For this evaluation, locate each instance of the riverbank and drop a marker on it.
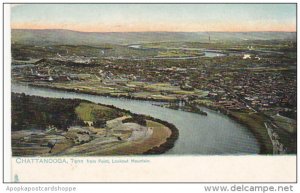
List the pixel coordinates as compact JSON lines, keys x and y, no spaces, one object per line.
{"x":257,"y":130}
{"x":103,"y":94}
{"x":253,"y":121}
{"x":215,"y":134}
{"x":92,"y":129}
{"x":162,"y":146}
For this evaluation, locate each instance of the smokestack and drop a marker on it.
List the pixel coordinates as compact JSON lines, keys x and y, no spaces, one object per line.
{"x":208,"y":37}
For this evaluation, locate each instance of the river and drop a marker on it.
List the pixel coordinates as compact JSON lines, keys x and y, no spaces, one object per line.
{"x":214,"y":134}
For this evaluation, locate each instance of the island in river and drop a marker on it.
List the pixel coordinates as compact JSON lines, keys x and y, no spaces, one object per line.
{"x":51,"y":127}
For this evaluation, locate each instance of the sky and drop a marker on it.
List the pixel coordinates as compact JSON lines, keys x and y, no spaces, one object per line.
{"x":155,"y":17}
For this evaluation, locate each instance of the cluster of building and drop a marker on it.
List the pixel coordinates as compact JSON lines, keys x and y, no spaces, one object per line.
{"x":74,"y":58}
{"x":265,"y":90}
{"x":230,"y":88}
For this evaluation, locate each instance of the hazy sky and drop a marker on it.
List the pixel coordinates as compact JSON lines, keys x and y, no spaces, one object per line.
{"x":155,"y":17}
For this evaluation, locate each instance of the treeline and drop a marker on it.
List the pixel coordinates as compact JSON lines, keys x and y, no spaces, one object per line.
{"x":68,"y":63}
{"x":139,"y":119}
{"x":32,"y":112}
{"x":170,"y":141}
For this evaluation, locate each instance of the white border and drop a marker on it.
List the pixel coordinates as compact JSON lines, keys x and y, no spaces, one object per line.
{"x":7,"y":95}
{"x":7,"y":65}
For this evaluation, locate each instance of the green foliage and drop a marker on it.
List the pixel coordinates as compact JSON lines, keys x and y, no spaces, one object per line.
{"x":31,"y":112}
{"x":93,"y":112}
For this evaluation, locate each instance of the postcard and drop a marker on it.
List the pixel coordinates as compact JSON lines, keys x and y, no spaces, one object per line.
{"x":150,"y":92}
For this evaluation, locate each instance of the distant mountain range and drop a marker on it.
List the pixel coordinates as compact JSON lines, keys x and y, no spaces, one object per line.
{"x":59,"y":36}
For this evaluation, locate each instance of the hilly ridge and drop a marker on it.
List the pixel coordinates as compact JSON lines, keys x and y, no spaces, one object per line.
{"x":59,"y":36}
